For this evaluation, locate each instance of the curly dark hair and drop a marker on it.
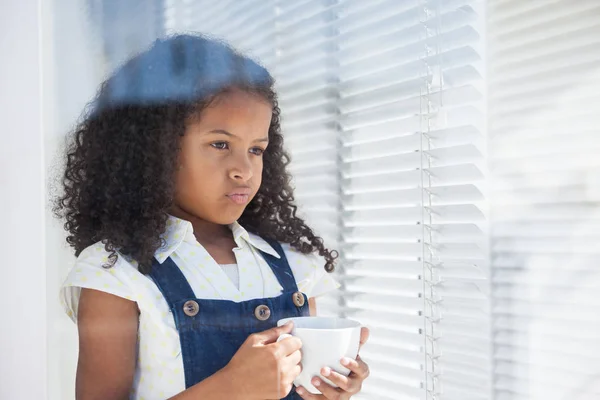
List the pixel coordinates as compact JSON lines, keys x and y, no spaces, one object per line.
{"x":122,"y":156}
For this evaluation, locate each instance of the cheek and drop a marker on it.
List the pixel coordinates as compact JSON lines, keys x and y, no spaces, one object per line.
{"x":257,"y":173}
{"x":192,"y":178}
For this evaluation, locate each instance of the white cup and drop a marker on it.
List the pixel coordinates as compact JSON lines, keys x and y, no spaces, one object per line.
{"x":325,"y":341}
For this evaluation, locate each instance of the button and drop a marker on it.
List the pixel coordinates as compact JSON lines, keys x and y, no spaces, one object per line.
{"x":191,"y":308}
{"x":262,"y":313}
{"x":298,"y":299}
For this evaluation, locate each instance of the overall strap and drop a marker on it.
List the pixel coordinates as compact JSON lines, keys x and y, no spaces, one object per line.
{"x":171,"y":281}
{"x":281,"y":267}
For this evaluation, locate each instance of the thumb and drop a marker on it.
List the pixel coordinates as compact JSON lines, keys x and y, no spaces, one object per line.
{"x":271,"y":335}
{"x":364,"y":336}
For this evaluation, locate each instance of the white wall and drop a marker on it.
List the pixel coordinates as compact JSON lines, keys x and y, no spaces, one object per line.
{"x":49,"y":71}
{"x":23,"y":357}
{"x":73,"y":69}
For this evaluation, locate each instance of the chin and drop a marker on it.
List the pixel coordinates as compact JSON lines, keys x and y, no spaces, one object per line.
{"x":226,"y":217}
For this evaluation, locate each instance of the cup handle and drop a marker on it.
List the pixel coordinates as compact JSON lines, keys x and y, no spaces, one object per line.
{"x":284,"y":336}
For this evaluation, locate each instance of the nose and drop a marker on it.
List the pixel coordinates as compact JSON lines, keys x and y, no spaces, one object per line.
{"x":241,"y":170}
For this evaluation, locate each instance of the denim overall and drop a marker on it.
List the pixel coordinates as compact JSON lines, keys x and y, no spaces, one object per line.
{"x":211,"y":331}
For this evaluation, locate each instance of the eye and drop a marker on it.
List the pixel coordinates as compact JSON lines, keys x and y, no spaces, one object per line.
{"x":220,"y":145}
{"x":257,"y":151}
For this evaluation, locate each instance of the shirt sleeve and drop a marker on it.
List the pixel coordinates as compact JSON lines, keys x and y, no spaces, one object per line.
{"x":88,"y":272}
{"x":310,"y":274}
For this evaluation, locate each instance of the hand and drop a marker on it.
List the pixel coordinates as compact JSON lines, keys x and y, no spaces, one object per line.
{"x":347,"y":386}
{"x":263,"y":368}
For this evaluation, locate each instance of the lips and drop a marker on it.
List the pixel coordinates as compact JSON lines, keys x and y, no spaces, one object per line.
{"x":240,"y":195}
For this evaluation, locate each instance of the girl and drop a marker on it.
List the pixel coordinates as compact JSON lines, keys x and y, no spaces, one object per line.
{"x":179,"y":208}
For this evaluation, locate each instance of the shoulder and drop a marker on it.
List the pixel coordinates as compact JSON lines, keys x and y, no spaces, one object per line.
{"x":91,"y":270}
{"x":297,"y":258}
{"x":309,"y":271}
{"x":97,"y":258}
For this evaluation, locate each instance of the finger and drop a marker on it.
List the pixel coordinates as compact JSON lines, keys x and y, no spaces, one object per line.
{"x":328,"y":391}
{"x":364,"y":336}
{"x":296,"y":371}
{"x":294,"y":358}
{"x":288,"y":345}
{"x":343,"y":382}
{"x":271,"y":335}
{"x":305,"y":394}
{"x":358,"y":367}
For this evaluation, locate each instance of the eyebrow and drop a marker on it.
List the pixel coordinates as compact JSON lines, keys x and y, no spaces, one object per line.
{"x":224,"y":132}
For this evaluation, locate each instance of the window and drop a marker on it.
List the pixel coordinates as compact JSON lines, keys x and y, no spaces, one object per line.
{"x":544,"y":75}
{"x":383,"y":108}
{"x":448,"y":149}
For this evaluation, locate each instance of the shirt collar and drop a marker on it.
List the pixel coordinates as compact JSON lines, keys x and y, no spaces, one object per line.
{"x":179,"y":230}
{"x":241,"y":235}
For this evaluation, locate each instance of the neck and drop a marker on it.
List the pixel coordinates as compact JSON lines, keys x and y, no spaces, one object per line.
{"x":206,"y":232}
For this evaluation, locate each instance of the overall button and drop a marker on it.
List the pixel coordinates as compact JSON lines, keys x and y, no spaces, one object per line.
{"x":262,"y":313}
{"x":191,"y":308}
{"x":298,"y":299}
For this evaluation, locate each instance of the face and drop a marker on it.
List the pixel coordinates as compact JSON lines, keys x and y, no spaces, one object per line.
{"x":221,"y":157}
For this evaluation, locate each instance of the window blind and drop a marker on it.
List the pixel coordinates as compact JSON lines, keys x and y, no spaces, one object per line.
{"x":544,"y":70}
{"x":306,"y":72}
{"x":112,"y":29}
{"x":383,"y":108}
{"x":411,"y":112}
